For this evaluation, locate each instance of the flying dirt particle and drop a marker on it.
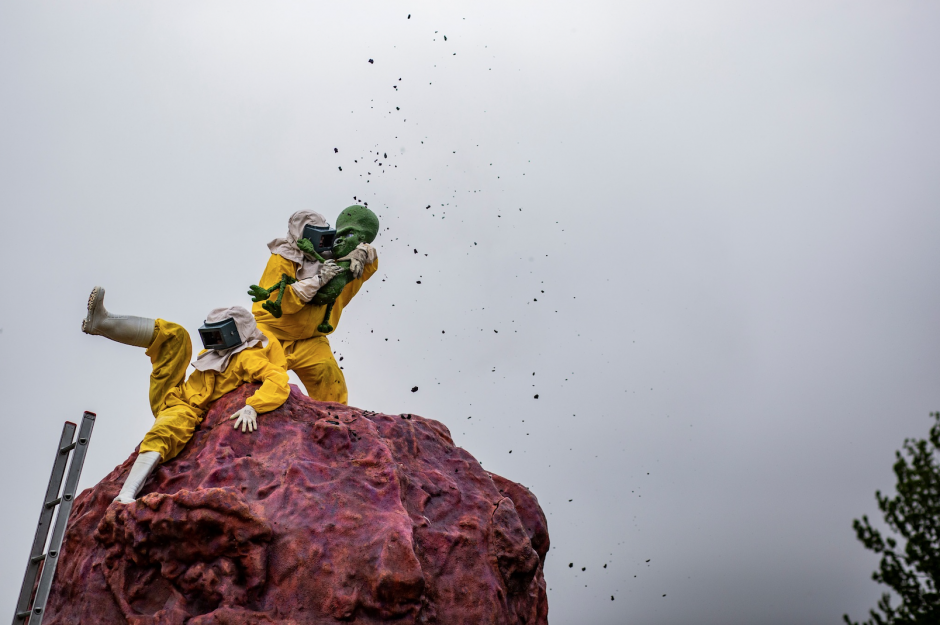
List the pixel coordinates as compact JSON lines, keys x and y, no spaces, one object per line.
{"x":416,"y":251}
{"x":414,"y":389}
{"x":335,"y":150}
{"x":371,"y":61}
{"x":418,"y":281}
{"x":570,"y":565}
{"x":341,"y":168}
{"x":611,"y":597}
{"x":536,"y":395}
{"x":409,"y":16}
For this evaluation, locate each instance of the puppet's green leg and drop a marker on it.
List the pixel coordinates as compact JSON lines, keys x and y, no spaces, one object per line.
{"x":275,"y":307}
{"x":325,"y":327}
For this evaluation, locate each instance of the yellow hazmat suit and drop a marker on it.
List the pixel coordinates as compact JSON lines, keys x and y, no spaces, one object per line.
{"x":180,"y":406}
{"x":307,"y":349}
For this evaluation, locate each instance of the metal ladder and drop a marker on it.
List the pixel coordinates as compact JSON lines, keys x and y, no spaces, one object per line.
{"x":47,"y":561}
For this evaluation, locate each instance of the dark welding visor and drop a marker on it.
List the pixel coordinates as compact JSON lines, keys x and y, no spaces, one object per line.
{"x":220,"y":335}
{"x":321,"y":237}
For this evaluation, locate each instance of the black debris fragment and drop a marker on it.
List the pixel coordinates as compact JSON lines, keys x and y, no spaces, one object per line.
{"x":341,"y":168}
{"x":409,"y":16}
{"x":416,"y":251}
{"x":570,"y":564}
{"x":335,"y":150}
{"x":414,"y":389}
{"x":371,"y":61}
{"x":418,"y":281}
{"x":536,"y":396}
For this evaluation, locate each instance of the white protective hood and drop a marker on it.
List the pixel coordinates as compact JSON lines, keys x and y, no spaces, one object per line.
{"x":287,"y":246}
{"x":217,"y":360}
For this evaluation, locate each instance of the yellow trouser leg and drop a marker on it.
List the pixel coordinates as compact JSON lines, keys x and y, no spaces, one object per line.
{"x":312,"y":360}
{"x":171,"y":431}
{"x":170,"y":354}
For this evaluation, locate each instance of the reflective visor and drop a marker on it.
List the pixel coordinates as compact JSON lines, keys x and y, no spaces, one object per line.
{"x":220,"y":335}
{"x":321,"y":237}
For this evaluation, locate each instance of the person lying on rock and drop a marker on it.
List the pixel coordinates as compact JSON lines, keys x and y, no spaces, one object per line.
{"x":313,"y":302}
{"x":237,"y":351}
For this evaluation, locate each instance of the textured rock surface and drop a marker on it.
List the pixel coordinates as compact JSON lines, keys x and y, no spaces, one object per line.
{"x":327,"y":514}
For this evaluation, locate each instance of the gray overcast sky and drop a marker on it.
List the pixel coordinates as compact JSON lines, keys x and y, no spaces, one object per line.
{"x":726,"y":211}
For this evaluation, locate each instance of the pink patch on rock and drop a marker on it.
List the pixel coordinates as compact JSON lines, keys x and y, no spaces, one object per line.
{"x":327,"y":513}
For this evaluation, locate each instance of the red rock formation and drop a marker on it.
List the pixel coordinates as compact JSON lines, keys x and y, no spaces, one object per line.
{"x":327,"y":514}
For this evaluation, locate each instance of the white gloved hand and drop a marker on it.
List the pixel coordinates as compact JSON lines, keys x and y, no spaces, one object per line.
{"x":328,"y":271}
{"x":247,"y":417}
{"x":363,"y":255}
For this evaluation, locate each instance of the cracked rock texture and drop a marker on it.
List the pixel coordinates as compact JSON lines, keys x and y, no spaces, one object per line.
{"x":327,"y":514}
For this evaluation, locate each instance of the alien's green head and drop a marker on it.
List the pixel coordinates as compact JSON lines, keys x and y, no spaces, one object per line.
{"x":355,"y":225}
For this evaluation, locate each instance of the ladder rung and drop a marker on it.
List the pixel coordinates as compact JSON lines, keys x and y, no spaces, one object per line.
{"x":38,"y":558}
{"x":20,"y":615}
{"x":53,"y":503}
{"x":67,"y":448}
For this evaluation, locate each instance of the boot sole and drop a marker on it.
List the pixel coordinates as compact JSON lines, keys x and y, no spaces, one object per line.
{"x":92,"y":300}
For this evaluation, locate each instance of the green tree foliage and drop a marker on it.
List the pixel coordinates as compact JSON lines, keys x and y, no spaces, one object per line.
{"x":914,"y":513}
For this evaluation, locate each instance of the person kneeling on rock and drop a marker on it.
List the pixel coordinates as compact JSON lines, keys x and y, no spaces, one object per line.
{"x":237,"y":352}
{"x":303,"y":323}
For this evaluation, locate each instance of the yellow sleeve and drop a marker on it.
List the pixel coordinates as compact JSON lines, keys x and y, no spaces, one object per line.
{"x":278,"y":265}
{"x":274,"y":387}
{"x":353,"y":287}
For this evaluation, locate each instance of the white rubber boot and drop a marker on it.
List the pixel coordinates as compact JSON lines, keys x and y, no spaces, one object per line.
{"x":136,"y":331}
{"x":140,"y":471}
